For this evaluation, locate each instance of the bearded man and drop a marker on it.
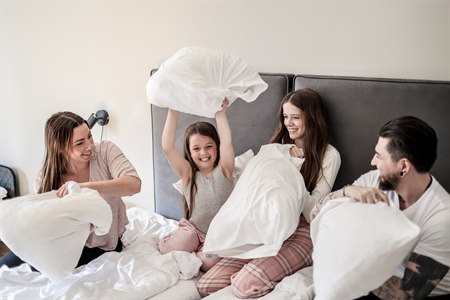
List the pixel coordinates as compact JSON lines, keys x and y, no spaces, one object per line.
{"x":405,"y":152}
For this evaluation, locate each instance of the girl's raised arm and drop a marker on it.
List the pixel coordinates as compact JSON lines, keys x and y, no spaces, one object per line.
{"x":175,"y":158}
{"x":226,"y":162}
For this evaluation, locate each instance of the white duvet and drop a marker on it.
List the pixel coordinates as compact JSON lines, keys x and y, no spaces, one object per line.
{"x":138,"y":272}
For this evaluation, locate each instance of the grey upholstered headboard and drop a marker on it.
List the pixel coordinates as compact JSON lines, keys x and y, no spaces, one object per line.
{"x":358,"y":107}
{"x":252,"y":125}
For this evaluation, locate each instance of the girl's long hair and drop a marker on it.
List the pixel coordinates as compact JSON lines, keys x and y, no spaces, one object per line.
{"x":317,"y":132}
{"x":58,"y":137}
{"x":205,"y":129}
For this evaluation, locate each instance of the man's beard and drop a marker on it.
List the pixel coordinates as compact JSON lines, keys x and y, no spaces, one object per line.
{"x":389,"y":182}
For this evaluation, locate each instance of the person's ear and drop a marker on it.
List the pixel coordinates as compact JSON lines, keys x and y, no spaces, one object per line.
{"x":406,"y":165}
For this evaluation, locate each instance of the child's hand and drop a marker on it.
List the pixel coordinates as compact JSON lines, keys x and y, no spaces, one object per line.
{"x":225,"y":104}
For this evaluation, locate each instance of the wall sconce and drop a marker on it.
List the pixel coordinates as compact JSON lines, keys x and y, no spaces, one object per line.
{"x":101,"y":117}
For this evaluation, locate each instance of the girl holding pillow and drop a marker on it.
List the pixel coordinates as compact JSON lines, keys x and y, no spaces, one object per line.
{"x":302,"y":123}
{"x":206,"y":172}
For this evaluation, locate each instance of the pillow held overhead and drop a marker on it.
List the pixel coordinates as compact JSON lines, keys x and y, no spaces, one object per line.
{"x":195,"y":80}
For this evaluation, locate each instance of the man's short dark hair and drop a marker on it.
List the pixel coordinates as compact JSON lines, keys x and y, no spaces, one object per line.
{"x":411,"y":138}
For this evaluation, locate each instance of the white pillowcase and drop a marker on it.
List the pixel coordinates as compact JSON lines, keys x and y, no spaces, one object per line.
{"x":264,"y":208}
{"x":357,"y":247}
{"x":49,"y":232}
{"x":3,"y":192}
{"x":240,"y":162}
{"x":196,"y":80}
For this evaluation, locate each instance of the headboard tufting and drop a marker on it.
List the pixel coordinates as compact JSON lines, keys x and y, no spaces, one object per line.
{"x":252,"y":125}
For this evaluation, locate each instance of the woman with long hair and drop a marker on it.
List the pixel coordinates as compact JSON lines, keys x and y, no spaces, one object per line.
{"x":302,"y":122}
{"x":71,"y":155}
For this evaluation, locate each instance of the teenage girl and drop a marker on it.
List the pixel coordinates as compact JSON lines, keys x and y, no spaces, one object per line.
{"x":302,"y":122}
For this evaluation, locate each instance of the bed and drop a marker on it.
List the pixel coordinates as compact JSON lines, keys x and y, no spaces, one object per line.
{"x":358,"y":107}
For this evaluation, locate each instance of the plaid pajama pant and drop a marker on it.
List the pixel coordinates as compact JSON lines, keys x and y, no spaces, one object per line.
{"x":252,"y":278}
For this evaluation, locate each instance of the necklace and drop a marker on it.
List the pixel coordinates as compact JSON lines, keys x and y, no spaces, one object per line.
{"x":206,"y":178}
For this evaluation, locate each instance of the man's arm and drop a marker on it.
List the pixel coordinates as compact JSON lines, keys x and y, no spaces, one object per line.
{"x":422,"y":275}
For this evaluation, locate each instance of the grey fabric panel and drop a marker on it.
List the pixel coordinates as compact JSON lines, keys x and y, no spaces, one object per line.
{"x":358,"y":107}
{"x":8,"y":181}
{"x":252,"y":125}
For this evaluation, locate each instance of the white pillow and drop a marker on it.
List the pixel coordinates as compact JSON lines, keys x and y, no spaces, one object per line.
{"x":357,"y":247}
{"x":49,"y":232}
{"x":240,"y":162}
{"x":3,"y":192}
{"x":264,"y":208}
{"x":196,"y":80}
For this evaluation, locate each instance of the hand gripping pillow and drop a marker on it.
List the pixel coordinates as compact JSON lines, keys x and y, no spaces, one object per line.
{"x":196,"y":80}
{"x":49,"y":232}
{"x":264,"y":208}
{"x":358,"y":246}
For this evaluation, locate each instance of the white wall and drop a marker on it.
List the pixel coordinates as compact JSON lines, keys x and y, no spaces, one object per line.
{"x":84,"y":56}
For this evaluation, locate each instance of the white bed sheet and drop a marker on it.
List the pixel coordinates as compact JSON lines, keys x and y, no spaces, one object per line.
{"x":182,"y":290}
{"x":138,"y":272}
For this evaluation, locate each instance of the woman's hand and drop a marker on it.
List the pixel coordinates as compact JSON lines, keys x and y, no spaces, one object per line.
{"x":295,"y":151}
{"x":62,"y":191}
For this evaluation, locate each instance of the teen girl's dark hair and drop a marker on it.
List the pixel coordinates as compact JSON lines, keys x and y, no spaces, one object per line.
{"x":317,"y":132}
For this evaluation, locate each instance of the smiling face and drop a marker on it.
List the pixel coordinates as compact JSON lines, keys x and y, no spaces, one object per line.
{"x":294,"y":122}
{"x":203,"y":151}
{"x":81,"y":146}
{"x":389,"y":169}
